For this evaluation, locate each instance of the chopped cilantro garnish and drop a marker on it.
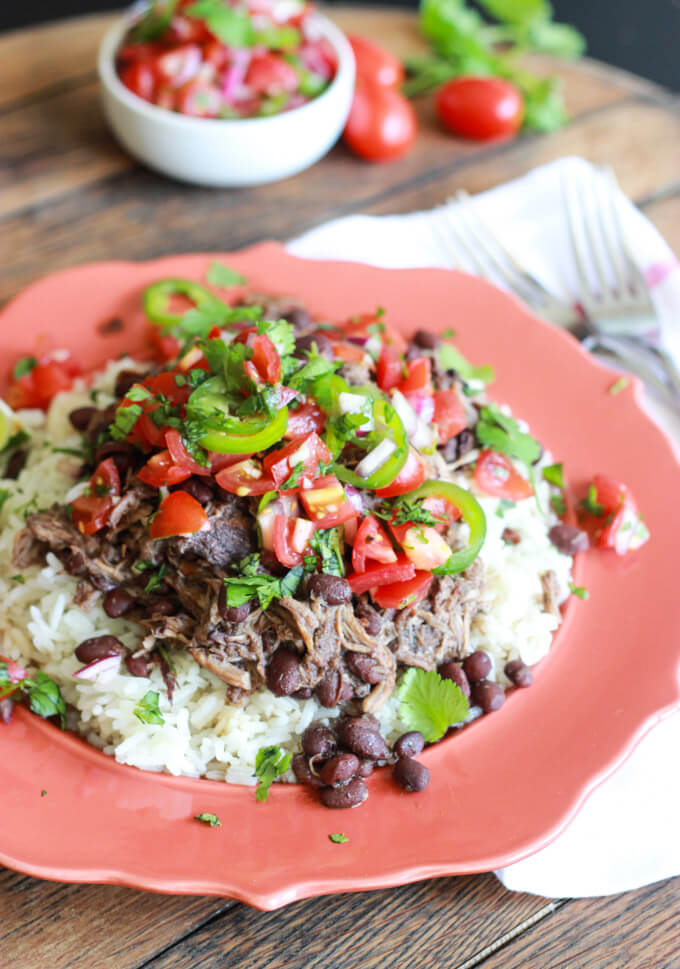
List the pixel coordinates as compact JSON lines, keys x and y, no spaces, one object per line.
{"x":554,"y":473}
{"x":156,"y":578}
{"x":578,"y":590}
{"x":559,"y":505}
{"x":327,"y":543}
{"x":449,"y":333}
{"x":591,"y":504}
{"x":19,"y":579}
{"x":403,"y":510}
{"x":5,"y":493}
{"x":138,"y":393}
{"x":270,"y":763}
{"x":503,"y":506}
{"x":147,"y":710}
{"x":220,"y":275}
{"x":73,"y":452}
{"x":233,"y":27}
{"x":294,"y":479}
{"x":253,"y":584}
{"x":210,"y":819}
{"x":126,"y":418}
{"x":315,"y":368}
{"x":501,"y":433}
{"x":16,"y":440}
{"x":430,"y":704}
{"x":281,"y":333}
{"x":43,"y":793}
{"x":24,"y":366}
{"x":44,"y":696}
{"x":339,"y":838}
{"x":451,"y":359}
{"x":618,"y":386}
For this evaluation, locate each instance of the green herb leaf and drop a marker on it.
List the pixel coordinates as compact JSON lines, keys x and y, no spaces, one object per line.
{"x":147,"y":710}
{"x":270,"y":763}
{"x":517,"y":11}
{"x":315,"y":368}
{"x":15,"y":441}
{"x":210,"y":819}
{"x":45,"y":697}
{"x":559,"y":505}
{"x":220,"y":275}
{"x":126,"y":418}
{"x":253,"y":584}
{"x":500,"y":433}
{"x":24,"y":366}
{"x":430,"y":704}
{"x":618,"y":386}
{"x":503,"y":506}
{"x":294,"y":479}
{"x":579,"y":590}
{"x":43,"y":793}
{"x":137,"y":393}
{"x":591,"y":505}
{"x":327,"y":543}
{"x":554,"y":473}
{"x":278,"y":38}
{"x":232,"y":27}
{"x":451,"y":359}
{"x":5,"y":493}
{"x":156,"y":579}
{"x":19,"y":579}
{"x":339,"y":838}
{"x":281,"y":333}
{"x":154,"y":22}
{"x":402,"y":510}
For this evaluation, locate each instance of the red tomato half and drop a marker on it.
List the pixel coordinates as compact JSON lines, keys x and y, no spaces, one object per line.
{"x":266,"y":359}
{"x":480,"y":107}
{"x":179,"y":514}
{"x":382,"y":124}
{"x":245,"y":478}
{"x":105,"y":480}
{"x":291,"y":539}
{"x":399,"y":595}
{"x":411,"y":476}
{"x":374,"y":63}
{"x":371,"y":542}
{"x":381,"y":574}
{"x":495,"y":475}
{"x":418,"y":379}
{"x":449,"y":415}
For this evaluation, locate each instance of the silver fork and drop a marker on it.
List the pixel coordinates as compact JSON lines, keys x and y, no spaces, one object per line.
{"x":471,"y":238}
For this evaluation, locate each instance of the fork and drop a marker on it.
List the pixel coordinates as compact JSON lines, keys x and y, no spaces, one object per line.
{"x":625,"y":336}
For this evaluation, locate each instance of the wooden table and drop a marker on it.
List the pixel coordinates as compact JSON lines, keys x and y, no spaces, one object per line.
{"x":68,"y":195}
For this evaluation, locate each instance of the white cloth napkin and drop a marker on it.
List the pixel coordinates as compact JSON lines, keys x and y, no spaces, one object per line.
{"x":626,"y":834}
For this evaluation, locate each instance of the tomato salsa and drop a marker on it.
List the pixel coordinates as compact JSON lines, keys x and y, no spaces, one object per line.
{"x":214,"y":59}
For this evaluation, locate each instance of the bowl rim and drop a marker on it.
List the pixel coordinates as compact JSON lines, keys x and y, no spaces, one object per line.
{"x":108,"y":76}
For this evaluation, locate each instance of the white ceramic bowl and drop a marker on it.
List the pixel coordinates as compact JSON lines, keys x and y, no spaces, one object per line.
{"x":226,"y":153}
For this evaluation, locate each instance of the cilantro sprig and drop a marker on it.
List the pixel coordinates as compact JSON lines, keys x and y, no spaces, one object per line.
{"x":327,"y":543}
{"x":449,"y":358}
{"x":270,"y":763}
{"x":501,"y":433}
{"x":251,"y":583}
{"x":430,"y":704}
{"x":44,"y":696}
{"x":207,"y":818}
{"x":147,"y":710}
{"x":224,"y":276}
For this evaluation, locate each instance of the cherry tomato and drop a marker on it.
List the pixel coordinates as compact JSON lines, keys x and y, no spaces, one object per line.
{"x":326,"y":503}
{"x":269,"y":74}
{"x":399,"y":595}
{"x":301,"y":456}
{"x":90,"y":513}
{"x":308,"y":417}
{"x":140,"y":78}
{"x":161,"y":470}
{"x":480,"y":107}
{"x":179,"y":514}
{"x":291,"y":539}
{"x":376,"y":64}
{"x":495,"y":475}
{"x":411,"y":476}
{"x":245,"y":478}
{"x":382,"y":574}
{"x":371,"y":542}
{"x":422,"y":544}
{"x":449,"y":415}
{"x":382,"y":124}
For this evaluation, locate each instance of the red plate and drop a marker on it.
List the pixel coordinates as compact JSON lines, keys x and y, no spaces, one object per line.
{"x":499,"y":791}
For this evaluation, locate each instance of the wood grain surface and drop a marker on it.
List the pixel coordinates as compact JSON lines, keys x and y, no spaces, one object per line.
{"x":68,"y":194}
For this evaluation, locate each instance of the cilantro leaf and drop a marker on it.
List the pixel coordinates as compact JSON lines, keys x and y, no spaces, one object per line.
{"x":15,"y":441}
{"x":154,"y":22}
{"x":430,"y":704}
{"x":451,"y":359}
{"x":147,"y":710}
{"x":232,"y":27}
{"x":403,"y":510}
{"x":24,"y":366}
{"x":156,"y":578}
{"x":591,"y":504}
{"x":578,"y":590}
{"x":44,"y":697}
{"x":270,"y":763}
{"x":294,"y":479}
{"x":501,"y":433}
{"x":327,"y":542}
{"x":315,"y":368}
{"x":210,"y":819}
{"x":618,"y":386}
{"x":559,"y":505}
{"x":5,"y":493}
{"x":137,"y":393}
{"x":281,"y":333}
{"x":339,"y":838}
{"x":253,"y":584}
{"x":125,"y":420}
{"x":554,"y":473}
{"x":220,"y":275}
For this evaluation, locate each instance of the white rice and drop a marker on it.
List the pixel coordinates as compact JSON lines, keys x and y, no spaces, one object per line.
{"x":203,"y":735}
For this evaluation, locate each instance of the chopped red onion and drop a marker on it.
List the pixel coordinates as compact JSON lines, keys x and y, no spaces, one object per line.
{"x":99,"y":667}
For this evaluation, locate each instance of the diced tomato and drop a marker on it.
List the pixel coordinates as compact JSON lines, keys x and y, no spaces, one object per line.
{"x":291,"y":539}
{"x":90,"y":513}
{"x":422,"y":544}
{"x":15,"y":671}
{"x":165,"y":346}
{"x":308,"y":451}
{"x":371,"y":542}
{"x":161,"y":470}
{"x":381,"y":574}
{"x":308,"y":417}
{"x":366,"y":324}
{"x":410,"y":477}
{"x":199,"y":99}
{"x":449,"y":415}
{"x":399,"y":595}
{"x":245,"y":478}
{"x":181,"y":456}
{"x":178,"y":65}
{"x":266,"y":359}
{"x":418,"y":377}
{"x":215,"y":53}
{"x":165,"y":96}
{"x":179,"y":514}
{"x":348,"y":352}
{"x":350,"y":528}
{"x":140,"y":78}
{"x":105,"y":480}
{"x":390,"y":368}
{"x":138,"y":52}
{"x":146,"y":431}
{"x":51,"y":375}
{"x":185,"y":29}
{"x":326,"y":503}
{"x":495,"y":475}
{"x":269,"y":74}
{"x":619,"y":526}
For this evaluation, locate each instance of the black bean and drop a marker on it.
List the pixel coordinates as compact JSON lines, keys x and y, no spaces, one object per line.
{"x":298,"y":318}
{"x":199,"y":488}
{"x":365,"y":768}
{"x":162,"y":607}
{"x":138,"y":665}
{"x":487,"y":695}
{"x":351,"y":795}
{"x":411,"y":775}
{"x":283,"y":672}
{"x":331,"y":588}
{"x":409,"y":744}
{"x":339,"y":769}
{"x":519,"y":673}
{"x":511,"y":537}
{"x":363,"y":738}
{"x":323,"y":344}
{"x":16,"y":464}
{"x":477,"y":665}
{"x":454,"y":671}
{"x":81,"y":417}
{"x":369,"y":618}
{"x":98,"y":647}
{"x":303,"y":773}
{"x":459,"y":445}
{"x":364,"y":667}
{"x":318,"y":740}
{"x":430,"y":341}
{"x":125,"y":380}
{"x":118,"y":602}
{"x":568,"y":539}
